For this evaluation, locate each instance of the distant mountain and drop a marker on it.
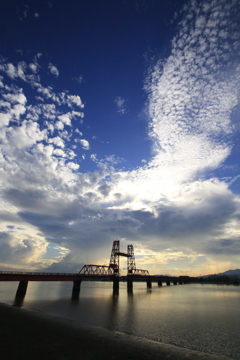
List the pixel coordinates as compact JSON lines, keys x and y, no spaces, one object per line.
{"x":164,"y":275}
{"x":235,"y":272}
{"x":231,"y":272}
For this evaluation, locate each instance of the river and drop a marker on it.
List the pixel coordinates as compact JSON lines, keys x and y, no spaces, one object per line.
{"x":193,"y":316}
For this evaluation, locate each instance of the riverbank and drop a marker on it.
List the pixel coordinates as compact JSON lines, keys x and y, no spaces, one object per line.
{"x":27,"y":334}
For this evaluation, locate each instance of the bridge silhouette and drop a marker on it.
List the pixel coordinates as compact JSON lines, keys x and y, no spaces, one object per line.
{"x":95,"y":272}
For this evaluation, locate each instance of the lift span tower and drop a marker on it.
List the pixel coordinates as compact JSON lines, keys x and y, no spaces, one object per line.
{"x":113,"y":268}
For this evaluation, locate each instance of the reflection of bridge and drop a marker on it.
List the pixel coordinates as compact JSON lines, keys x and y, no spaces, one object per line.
{"x":94,"y":272}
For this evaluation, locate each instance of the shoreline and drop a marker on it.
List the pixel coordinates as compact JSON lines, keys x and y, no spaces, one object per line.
{"x":27,"y":334}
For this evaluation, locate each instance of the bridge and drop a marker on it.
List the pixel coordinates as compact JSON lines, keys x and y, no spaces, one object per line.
{"x":95,"y":272}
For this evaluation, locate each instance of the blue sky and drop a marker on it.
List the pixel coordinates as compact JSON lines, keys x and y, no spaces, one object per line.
{"x":120,"y":119}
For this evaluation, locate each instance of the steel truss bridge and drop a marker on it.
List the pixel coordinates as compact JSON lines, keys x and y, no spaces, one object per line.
{"x":113,"y":268}
{"x":95,"y":272}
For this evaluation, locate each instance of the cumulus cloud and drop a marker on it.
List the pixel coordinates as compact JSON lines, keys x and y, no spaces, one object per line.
{"x":57,"y":141}
{"x":173,"y":205}
{"x":67,"y":118}
{"x":84,"y":143}
{"x":73,"y":166}
{"x":59,"y":152}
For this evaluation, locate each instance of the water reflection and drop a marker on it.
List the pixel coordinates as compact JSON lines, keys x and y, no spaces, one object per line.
{"x":75,"y":295}
{"x":19,"y":299}
{"x":115,"y":291}
{"x":130,"y":290}
{"x":205,"y":318}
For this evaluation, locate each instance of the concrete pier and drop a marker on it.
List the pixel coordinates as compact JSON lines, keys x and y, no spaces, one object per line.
{"x":76,"y":278}
{"x":116,"y":284}
{"x":22,"y":287}
{"x":77,"y":285}
{"x":149,"y":283}
{"x":76,"y":289}
{"x":129,"y":284}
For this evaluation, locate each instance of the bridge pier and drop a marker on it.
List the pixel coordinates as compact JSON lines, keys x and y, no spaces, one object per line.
{"x":116,"y":284}
{"x":77,"y":285}
{"x":76,"y":289}
{"x":159,"y":283}
{"x":149,"y":283}
{"x":174,"y":283}
{"x":129,"y":284}
{"x":22,"y":287}
{"x":168,"y":283}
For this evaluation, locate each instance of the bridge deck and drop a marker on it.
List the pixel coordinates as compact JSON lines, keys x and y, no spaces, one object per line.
{"x":34,"y":276}
{"x":42,"y":276}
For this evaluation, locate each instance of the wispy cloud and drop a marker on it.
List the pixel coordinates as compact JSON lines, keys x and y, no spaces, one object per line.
{"x":121,"y":105}
{"x":79,"y":79}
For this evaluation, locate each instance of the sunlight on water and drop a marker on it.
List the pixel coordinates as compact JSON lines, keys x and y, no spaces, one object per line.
{"x":199,"y":317}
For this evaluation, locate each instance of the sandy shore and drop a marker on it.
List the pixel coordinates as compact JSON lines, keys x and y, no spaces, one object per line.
{"x":31,"y":335}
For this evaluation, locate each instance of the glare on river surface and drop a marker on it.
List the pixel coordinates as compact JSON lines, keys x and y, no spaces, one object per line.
{"x":199,"y":317}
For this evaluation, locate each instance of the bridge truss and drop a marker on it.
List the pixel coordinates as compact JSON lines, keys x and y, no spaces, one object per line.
{"x":96,"y":270}
{"x":113,"y":268}
{"x":131,"y":265}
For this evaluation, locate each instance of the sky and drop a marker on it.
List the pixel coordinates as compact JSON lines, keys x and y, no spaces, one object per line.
{"x":120,"y":120}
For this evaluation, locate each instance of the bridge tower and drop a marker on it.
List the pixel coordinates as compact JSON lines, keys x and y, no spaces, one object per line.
{"x":131,"y":265}
{"x":114,"y":258}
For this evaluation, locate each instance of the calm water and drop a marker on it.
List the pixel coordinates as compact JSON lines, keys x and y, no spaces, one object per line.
{"x":198,"y":317}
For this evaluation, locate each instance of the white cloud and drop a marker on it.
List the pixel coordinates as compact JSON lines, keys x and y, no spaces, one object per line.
{"x":4,"y":119}
{"x":59,"y":152}
{"x":26,"y":135}
{"x":57,"y":141}
{"x":39,"y":98}
{"x":84,"y":143}
{"x":93,"y":157}
{"x":74,"y":100}
{"x":25,"y":12}
{"x":79,"y":79}
{"x":1,"y":83}
{"x":33,"y":67}
{"x":18,"y":97}
{"x":11,"y":71}
{"x":78,"y":132}
{"x":121,"y":105}
{"x":65,"y":118}
{"x":72,"y":165}
{"x":171,"y":204}
{"x":53,"y":69}
{"x":59,"y":125}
